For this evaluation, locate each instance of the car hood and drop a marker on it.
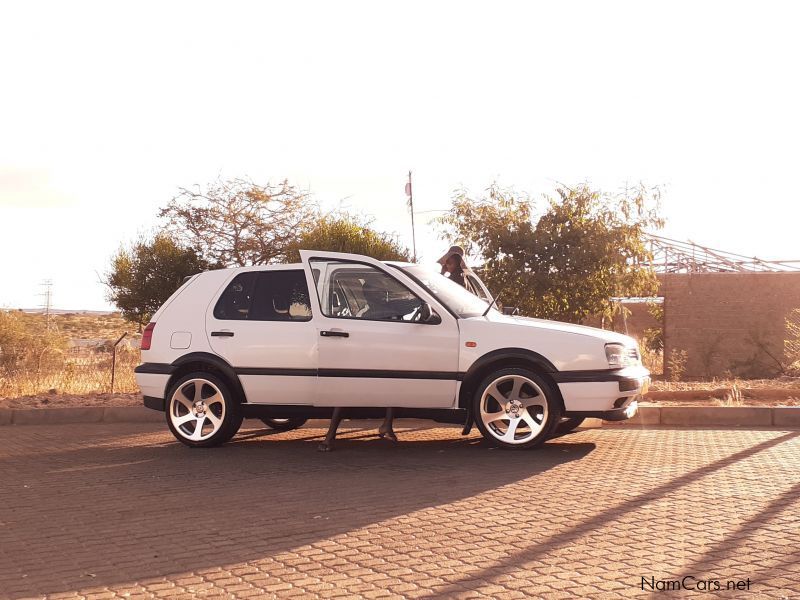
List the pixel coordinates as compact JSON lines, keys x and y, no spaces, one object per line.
{"x":593,"y":332}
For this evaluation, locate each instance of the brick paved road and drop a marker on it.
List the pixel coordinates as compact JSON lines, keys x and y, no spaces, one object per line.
{"x":108,"y":511}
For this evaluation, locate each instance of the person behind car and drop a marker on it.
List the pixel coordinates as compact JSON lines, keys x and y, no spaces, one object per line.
{"x":385,"y":431}
{"x":376,"y":307}
{"x":453,"y":265}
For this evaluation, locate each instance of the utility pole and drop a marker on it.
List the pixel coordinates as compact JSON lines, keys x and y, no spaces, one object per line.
{"x":410,"y":194}
{"x":47,"y":303}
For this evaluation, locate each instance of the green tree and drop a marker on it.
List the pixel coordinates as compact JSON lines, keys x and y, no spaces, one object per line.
{"x":585,"y":248}
{"x":347,"y":233}
{"x":237,"y":222}
{"x":144,"y":274}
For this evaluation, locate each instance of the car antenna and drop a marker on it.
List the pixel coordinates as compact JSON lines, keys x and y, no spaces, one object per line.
{"x":495,"y":299}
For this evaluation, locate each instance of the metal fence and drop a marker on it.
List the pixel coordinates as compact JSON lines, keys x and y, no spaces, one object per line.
{"x":81,"y":369}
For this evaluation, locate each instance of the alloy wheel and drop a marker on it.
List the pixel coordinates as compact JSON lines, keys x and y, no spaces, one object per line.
{"x":513,"y":409}
{"x":197,"y":409}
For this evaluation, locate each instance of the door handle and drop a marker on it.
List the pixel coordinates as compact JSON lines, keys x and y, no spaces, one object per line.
{"x":221,"y":334}
{"x":328,"y":333}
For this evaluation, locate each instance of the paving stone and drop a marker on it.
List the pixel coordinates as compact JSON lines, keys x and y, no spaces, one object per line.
{"x":123,"y":509}
{"x":57,"y":416}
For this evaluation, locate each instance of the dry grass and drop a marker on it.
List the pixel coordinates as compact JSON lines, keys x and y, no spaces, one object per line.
{"x":71,"y":379}
{"x":82,"y":325}
{"x":79,"y":377}
{"x":61,"y":364}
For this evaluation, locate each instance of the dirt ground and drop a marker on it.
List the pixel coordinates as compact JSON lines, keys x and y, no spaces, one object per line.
{"x":784,"y":391}
{"x":51,"y":400}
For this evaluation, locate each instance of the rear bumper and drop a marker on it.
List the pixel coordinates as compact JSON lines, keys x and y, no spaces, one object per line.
{"x":154,"y":403}
{"x":152,"y":379}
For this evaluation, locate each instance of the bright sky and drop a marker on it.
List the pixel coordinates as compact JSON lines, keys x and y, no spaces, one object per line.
{"x":107,"y":108}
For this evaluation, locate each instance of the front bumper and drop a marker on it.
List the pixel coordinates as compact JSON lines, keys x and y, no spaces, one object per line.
{"x":627,"y":411}
{"x":611,"y":395}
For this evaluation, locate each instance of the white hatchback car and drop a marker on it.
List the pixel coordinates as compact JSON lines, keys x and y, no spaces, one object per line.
{"x":285,"y":343}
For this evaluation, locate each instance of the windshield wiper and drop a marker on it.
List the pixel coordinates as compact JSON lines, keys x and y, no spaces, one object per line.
{"x":495,"y":299}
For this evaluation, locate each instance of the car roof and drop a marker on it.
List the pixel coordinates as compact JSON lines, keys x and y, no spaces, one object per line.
{"x":397,"y":263}
{"x":275,"y":267}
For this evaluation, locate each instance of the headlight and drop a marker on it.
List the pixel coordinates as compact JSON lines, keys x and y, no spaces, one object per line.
{"x":619,"y":356}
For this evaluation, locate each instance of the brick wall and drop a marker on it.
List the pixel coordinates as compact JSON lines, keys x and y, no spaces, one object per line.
{"x":729,"y":323}
{"x":634,"y":324}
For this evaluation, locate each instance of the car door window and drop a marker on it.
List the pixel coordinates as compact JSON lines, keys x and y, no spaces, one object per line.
{"x":359,"y":291}
{"x":265,"y":296}
{"x":234,"y":303}
{"x":474,"y":286}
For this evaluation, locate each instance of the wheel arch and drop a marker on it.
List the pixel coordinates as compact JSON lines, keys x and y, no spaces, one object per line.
{"x":501,"y":359}
{"x":205,"y":361}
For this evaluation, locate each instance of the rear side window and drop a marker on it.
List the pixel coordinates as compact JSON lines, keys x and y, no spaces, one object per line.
{"x":234,"y":304}
{"x":265,"y":296}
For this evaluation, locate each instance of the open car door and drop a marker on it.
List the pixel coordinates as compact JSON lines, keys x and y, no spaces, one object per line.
{"x":378,"y":343}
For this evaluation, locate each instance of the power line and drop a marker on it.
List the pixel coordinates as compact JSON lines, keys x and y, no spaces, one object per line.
{"x":47,"y":303}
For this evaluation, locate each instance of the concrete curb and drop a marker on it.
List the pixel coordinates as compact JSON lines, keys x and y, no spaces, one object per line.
{"x":736,"y":416}
{"x":82,"y":414}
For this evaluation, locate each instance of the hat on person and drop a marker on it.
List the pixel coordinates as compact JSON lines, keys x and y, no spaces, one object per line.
{"x":453,"y":250}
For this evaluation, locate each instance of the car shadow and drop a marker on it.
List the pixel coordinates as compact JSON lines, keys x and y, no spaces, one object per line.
{"x":120,"y":512}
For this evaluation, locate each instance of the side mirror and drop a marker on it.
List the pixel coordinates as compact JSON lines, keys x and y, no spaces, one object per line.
{"x":510,"y":310}
{"x":427,"y":315}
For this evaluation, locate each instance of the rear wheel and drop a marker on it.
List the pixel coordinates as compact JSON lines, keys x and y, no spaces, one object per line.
{"x":284,"y":424}
{"x":201,"y":411}
{"x":516,"y":408}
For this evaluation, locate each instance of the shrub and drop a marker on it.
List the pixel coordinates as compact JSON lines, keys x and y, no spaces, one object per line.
{"x":792,"y":342}
{"x":676,"y":364}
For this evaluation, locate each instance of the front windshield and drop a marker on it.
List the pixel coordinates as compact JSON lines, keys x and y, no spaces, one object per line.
{"x":449,"y":293}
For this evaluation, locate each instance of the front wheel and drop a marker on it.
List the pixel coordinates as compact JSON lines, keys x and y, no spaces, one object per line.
{"x":516,"y":408}
{"x":284,"y":424}
{"x":201,"y":411}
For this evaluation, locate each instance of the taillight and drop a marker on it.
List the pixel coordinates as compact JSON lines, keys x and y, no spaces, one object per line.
{"x":147,"y":336}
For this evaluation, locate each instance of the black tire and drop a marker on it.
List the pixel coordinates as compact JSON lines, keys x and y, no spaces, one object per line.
{"x":545,"y":420}
{"x":226,"y":409}
{"x":568,"y":424}
{"x":284,"y":424}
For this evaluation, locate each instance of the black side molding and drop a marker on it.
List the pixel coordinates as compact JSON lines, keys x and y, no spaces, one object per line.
{"x":165,"y":369}
{"x":599,"y":375}
{"x":387,"y":374}
{"x":275,"y":371}
{"x":453,"y":416}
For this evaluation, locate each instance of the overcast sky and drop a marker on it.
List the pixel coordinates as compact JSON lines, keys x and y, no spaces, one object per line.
{"x":106,"y":109}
